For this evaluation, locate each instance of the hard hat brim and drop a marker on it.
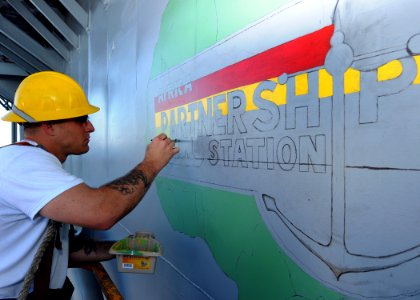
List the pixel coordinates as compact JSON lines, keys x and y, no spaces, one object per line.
{"x":12,"y":117}
{"x":90,"y":109}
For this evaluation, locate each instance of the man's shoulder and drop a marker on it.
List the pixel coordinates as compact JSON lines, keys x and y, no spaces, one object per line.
{"x":17,"y":149}
{"x":19,"y":154}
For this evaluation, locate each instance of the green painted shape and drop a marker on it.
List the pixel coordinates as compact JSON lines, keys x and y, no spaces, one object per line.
{"x":190,"y":26}
{"x":239,"y":240}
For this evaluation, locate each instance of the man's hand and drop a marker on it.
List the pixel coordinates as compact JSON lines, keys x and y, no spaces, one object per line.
{"x":158,"y":153}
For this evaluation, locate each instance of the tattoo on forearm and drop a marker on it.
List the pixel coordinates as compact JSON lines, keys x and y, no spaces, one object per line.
{"x":128,"y":184}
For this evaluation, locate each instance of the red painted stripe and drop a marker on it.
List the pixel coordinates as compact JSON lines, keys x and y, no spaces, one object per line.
{"x":301,"y":54}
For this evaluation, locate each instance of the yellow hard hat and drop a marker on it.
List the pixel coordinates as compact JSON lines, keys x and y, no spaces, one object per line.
{"x":47,"y":96}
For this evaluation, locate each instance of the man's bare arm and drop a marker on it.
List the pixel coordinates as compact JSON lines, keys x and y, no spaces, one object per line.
{"x":99,"y":252}
{"x":101,"y":208}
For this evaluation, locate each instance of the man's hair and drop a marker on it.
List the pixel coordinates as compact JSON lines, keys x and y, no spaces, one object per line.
{"x":28,"y":125}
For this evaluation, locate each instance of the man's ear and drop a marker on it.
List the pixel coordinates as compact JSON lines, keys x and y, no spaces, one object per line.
{"x":48,"y":128}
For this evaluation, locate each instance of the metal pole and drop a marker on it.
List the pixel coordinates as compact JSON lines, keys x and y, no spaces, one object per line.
{"x":14,"y":133}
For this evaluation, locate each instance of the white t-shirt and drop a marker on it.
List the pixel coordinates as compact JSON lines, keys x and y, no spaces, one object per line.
{"x":30,"y":177}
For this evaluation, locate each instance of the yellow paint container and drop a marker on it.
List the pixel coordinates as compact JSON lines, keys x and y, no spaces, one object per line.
{"x":137,"y":253}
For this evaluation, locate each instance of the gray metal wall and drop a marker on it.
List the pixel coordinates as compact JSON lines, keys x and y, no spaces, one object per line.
{"x":331,"y":212}
{"x":113,"y":64}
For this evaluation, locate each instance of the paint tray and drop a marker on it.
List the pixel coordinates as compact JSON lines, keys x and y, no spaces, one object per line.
{"x":137,"y":253}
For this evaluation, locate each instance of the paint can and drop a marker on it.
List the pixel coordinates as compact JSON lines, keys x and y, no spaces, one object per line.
{"x":137,"y":253}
